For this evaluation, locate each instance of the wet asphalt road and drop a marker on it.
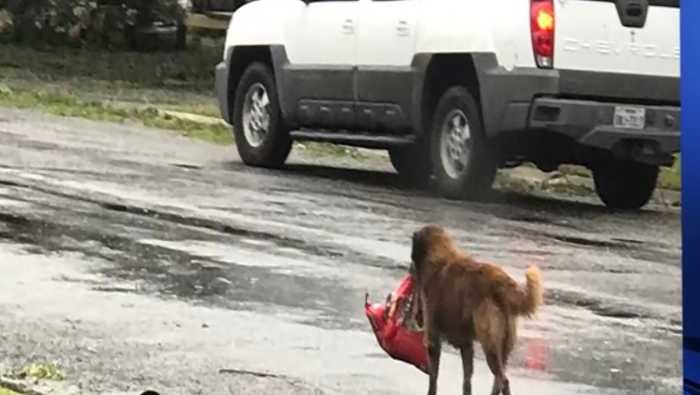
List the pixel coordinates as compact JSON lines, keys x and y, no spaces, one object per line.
{"x":135,"y":259}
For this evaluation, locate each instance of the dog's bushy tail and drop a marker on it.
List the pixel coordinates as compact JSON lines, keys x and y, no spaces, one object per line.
{"x":525,"y":300}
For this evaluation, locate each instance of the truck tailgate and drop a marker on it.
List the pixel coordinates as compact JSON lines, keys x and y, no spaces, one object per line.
{"x":637,"y":37}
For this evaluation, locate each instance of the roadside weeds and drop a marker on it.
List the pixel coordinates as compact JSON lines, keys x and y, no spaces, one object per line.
{"x":14,"y":387}
{"x":26,"y":379}
{"x":7,"y":391}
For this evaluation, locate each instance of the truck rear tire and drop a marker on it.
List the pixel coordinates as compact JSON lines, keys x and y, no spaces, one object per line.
{"x":261,"y":137}
{"x":625,"y":185}
{"x":464,"y":163}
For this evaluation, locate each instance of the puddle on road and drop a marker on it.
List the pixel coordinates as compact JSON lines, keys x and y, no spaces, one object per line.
{"x":223,"y":275}
{"x":588,"y":242}
{"x":186,"y":166}
{"x":230,"y":256}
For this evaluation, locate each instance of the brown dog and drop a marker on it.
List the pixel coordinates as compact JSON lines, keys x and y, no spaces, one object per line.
{"x":464,"y":300}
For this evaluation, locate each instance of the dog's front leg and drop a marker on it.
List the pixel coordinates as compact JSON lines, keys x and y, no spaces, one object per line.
{"x":432,"y":343}
{"x":467,"y":368}
{"x":434,"y":349}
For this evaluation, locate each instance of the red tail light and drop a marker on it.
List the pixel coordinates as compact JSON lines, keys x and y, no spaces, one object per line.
{"x":542,"y":28}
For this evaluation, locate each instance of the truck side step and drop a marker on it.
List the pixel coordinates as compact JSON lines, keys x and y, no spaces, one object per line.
{"x":354,"y":139}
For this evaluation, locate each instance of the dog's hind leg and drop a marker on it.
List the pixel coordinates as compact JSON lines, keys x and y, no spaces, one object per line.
{"x":508,"y":345}
{"x":506,"y":387}
{"x":511,"y":333}
{"x":491,"y":330}
{"x":500,"y":381}
{"x":434,"y":349}
{"x":467,"y":352}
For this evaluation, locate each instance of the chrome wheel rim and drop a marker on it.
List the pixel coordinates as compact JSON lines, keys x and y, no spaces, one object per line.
{"x":256,"y":115}
{"x":455,"y":143}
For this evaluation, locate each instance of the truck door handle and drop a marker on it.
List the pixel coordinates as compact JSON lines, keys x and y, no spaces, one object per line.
{"x":348,"y":26}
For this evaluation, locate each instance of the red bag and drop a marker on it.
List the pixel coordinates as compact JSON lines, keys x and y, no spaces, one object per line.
{"x":391,"y":324}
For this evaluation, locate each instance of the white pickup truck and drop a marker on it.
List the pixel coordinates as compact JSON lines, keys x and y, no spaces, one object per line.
{"x":455,"y":89}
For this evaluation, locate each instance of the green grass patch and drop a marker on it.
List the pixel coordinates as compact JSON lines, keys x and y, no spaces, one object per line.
{"x":6,"y":391}
{"x":192,"y":69}
{"x":573,"y":170}
{"x":180,"y":81}
{"x":316,"y":149}
{"x":42,"y":371}
{"x":72,"y":106}
{"x":670,"y":177}
{"x":118,"y":86}
{"x":504,"y":180}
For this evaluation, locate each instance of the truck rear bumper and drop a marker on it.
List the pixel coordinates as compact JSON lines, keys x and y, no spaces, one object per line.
{"x":580,"y":105}
{"x":591,"y":123}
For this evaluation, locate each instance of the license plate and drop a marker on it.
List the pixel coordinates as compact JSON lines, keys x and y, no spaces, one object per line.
{"x":629,"y":117}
